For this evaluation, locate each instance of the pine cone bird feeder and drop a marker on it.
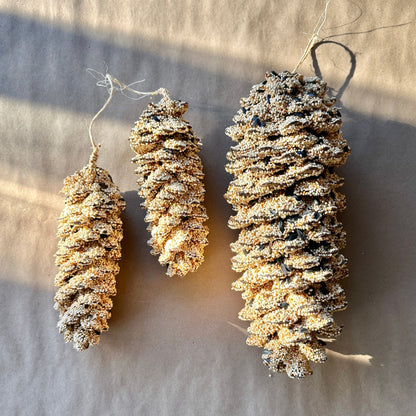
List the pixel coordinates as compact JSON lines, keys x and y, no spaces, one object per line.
{"x":285,"y":196}
{"x":90,"y":231}
{"x":169,"y":175}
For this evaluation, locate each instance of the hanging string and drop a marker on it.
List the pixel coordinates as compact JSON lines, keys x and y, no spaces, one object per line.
{"x":112,"y":84}
{"x":95,"y":147}
{"x":107,"y":81}
{"x":314,"y":37}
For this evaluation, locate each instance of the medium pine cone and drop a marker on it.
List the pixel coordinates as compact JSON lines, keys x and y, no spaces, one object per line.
{"x":90,"y":231}
{"x":170,"y":178}
{"x":285,"y":198}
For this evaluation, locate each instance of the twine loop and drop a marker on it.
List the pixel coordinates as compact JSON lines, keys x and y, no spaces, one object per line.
{"x":112,"y":84}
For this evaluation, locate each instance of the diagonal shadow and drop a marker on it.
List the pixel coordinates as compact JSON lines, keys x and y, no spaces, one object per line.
{"x":58,"y":66}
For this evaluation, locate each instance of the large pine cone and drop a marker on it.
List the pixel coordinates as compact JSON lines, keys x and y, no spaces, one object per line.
{"x":90,"y":231}
{"x":170,"y":178}
{"x":285,"y":198}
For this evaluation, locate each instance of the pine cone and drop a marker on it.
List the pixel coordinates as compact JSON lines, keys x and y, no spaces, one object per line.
{"x":170,"y":178}
{"x":285,"y":198}
{"x":90,"y":231}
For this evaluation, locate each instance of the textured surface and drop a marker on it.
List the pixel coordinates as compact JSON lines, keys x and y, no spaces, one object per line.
{"x":90,"y":232}
{"x":173,"y":347}
{"x":170,"y":180}
{"x":284,"y":193}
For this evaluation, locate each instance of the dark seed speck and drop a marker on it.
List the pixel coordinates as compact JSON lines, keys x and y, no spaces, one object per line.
{"x":298,"y":114}
{"x":284,"y":269}
{"x":300,"y":234}
{"x":292,"y":236}
{"x":255,"y":120}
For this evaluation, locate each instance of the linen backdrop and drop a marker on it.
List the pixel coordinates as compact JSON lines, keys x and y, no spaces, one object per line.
{"x":176,"y":346}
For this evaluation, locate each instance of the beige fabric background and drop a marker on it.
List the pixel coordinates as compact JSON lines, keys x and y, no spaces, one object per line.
{"x":174,"y":347}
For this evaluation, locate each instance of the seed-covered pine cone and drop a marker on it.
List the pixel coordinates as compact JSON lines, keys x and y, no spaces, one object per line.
{"x":170,"y":179}
{"x":285,"y":198}
{"x":90,"y":231}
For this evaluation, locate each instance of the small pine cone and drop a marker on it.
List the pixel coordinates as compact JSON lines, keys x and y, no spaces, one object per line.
{"x":170,"y":179}
{"x":90,"y":231}
{"x":285,"y":198}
